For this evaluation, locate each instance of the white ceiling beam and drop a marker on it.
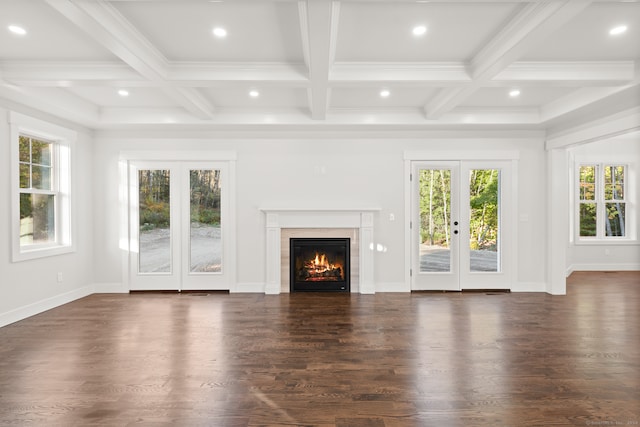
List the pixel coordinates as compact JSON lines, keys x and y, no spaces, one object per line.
{"x":107,"y":26}
{"x":595,"y":99}
{"x":210,"y":73}
{"x":568,"y":73}
{"x":485,"y":117}
{"x":318,"y":24}
{"x":535,"y":22}
{"x":625,"y":122}
{"x":69,"y":73}
{"x":56,"y":100}
{"x":187,"y":74}
{"x":433,"y":73}
{"x":576,"y":100}
{"x":203,"y":74}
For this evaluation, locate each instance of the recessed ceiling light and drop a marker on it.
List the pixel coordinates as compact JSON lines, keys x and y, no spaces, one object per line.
{"x":220,"y":32}
{"x":618,"y":30}
{"x":123,"y":93}
{"x":419,"y":30}
{"x":16,"y":29}
{"x":514,"y":93}
{"x":384,"y":93}
{"x":254,"y":93}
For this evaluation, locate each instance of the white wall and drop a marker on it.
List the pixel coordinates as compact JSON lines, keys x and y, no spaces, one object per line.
{"x":29,"y":287}
{"x":601,"y":256}
{"x":310,"y":170}
{"x":270,"y":172}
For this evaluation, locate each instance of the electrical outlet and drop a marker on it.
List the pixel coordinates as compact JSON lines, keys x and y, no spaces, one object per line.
{"x":59,"y":276}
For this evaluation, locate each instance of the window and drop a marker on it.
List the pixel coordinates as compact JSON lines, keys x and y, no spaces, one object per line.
{"x":38,"y":192}
{"x":41,"y":203}
{"x":602,"y":200}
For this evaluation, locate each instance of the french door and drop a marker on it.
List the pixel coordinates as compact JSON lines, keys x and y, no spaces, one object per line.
{"x":461,"y":225}
{"x":177,"y":222}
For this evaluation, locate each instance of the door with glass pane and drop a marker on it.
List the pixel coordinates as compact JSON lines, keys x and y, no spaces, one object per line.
{"x":434,"y":226}
{"x":460,"y":225}
{"x":177,"y":226}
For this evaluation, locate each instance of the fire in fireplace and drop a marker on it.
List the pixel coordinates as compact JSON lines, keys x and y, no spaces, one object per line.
{"x":319,"y":264}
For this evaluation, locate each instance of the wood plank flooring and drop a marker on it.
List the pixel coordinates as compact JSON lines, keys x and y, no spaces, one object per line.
{"x":385,"y":360}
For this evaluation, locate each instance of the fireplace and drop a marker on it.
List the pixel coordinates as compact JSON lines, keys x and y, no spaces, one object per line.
{"x":319,"y":264}
{"x":282,"y":224}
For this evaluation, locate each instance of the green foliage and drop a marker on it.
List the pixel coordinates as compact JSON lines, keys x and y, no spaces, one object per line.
{"x":154,"y":214}
{"x":483,"y":203}
{"x":206,"y":216}
{"x":26,"y":206}
{"x":205,"y":196}
{"x":487,"y":196}
{"x":155,"y":194}
{"x":435,"y":207}
{"x":588,"y":227}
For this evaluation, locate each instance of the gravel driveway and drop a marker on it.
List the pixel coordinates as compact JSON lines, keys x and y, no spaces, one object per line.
{"x":206,"y":250}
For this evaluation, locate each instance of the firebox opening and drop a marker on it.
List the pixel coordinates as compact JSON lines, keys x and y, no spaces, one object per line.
{"x":319,"y":264}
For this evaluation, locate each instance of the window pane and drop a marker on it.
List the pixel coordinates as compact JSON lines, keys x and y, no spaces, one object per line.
{"x":41,"y":152}
{"x":435,"y":220}
{"x":588,"y":220}
{"x":483,"y":216}
{"x":25,"y":149}
{"x":41,"y":177}
{"x":614,"y":182}
{"x":37,"y":221}
{"x":588,"y":182}
{"x":615,"y":220}
{"x":25,"y":174}
{"x":155,"y":221}
{"x":205,"y":236}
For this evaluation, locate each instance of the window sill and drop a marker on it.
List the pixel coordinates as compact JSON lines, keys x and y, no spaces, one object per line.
{"x":608,"y":242}
{"x":37,"y":253}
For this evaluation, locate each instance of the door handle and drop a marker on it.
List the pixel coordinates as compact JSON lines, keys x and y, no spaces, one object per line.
{"x":455,"y":231}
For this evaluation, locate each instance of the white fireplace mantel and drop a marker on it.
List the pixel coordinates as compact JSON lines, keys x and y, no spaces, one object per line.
{"x":355,"y":218}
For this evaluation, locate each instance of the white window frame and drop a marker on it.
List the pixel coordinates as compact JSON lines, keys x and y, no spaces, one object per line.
{"x":63,"y":140}
{"x":629,"y":201}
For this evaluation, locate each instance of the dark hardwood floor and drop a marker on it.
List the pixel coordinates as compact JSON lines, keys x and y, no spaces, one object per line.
{"x":421,"y":359}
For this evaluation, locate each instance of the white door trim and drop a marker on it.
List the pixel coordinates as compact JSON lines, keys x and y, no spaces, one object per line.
{"x":227,"y":157}
{"x":460,"y":155}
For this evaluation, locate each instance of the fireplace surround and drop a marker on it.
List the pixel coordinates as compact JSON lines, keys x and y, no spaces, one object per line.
{"x":284,"y":223}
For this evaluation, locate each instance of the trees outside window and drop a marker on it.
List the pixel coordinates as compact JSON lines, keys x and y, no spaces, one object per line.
{"x":38,"y":191}
{"x":602,"y":192}
{"x":41,"y":188}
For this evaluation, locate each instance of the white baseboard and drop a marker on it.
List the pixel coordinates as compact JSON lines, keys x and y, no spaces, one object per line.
{"x":392,"y":287}
{"x":38,"y":307}
{"x":604,"y":267}
{"x":110,"y":288}
{"x":29,"y":310}
{"x":249,"y":287}
{"x":530,"y":287}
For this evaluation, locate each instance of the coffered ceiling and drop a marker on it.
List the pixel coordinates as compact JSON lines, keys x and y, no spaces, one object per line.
{"x":501,"y":64}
